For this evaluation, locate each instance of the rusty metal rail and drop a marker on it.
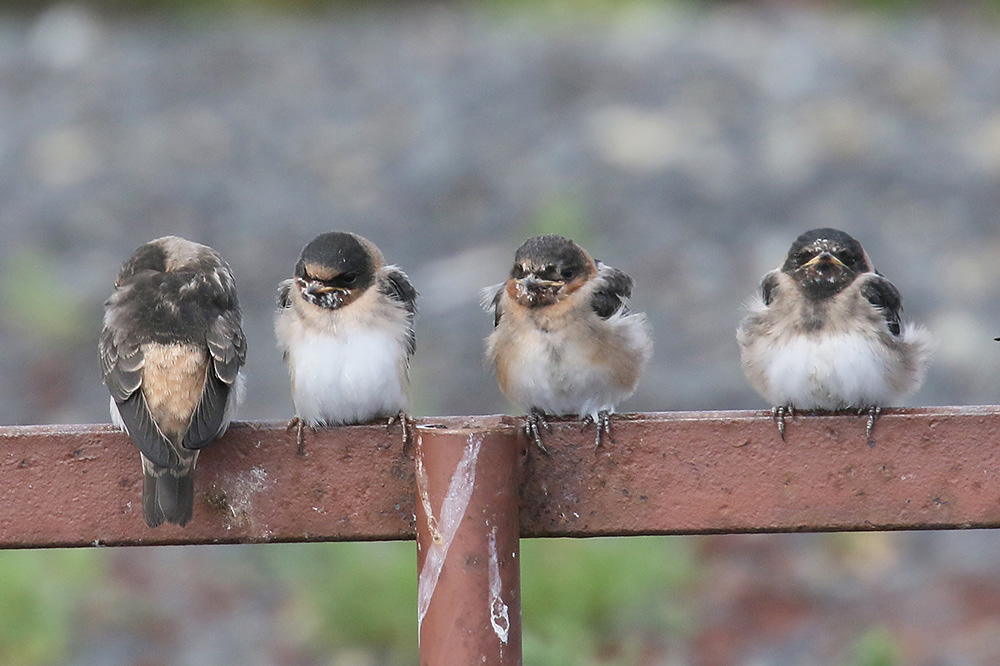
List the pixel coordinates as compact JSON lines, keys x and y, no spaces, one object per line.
{"x":468,"y":488}
{"x":665,"y":473}
{"x":468,"y":552}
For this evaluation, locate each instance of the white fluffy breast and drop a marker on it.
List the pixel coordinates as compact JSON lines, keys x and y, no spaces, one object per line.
{"x":348,"y":365}
{"x":557,"y":376}
{"x":827,"y":371}
{"x":586,"y":366}
{"x":353,"y":377}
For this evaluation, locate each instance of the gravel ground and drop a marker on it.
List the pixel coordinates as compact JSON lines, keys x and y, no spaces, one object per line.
{"x":686,"y":147}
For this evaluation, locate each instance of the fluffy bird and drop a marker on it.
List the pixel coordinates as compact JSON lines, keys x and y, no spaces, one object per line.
{"x":172,"y":352}
{"x":826,"y":333}
{"x":345,"y":327}
{"x":564,"y":340}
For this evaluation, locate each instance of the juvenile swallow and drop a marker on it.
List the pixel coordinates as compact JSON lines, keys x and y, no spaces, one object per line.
{"x":826,"y":333}
{"x":564,"y":340}
{"x":172,"y":350}
{"x":345,"y":327}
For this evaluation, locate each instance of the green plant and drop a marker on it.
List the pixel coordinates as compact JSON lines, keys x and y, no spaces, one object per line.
{"x":583,"y":599}
{"x":564,"y":214}
{"x":580,"y":598}
{"x":351,"y":595}
{"x":40,"y":594}
{"x":876,"y":647}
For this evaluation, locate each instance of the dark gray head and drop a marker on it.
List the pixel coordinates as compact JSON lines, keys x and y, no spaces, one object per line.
{"x":172,"y":289}
{"x":170,"y":254}
{"x":825,"y":261}
{"x":335,"y":268}
{"x":547,"y":269}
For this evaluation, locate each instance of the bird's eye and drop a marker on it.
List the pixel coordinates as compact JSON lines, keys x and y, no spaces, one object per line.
{"x":567,"y":273}
{"x":349,"y":278}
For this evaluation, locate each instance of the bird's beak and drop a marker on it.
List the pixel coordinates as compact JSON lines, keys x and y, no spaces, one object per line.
{"x":534,"y":290}
{"x":317,"y":289}
{"x":314,"y":288}
{"x":531,"y":283}
{"x":824,"y":258}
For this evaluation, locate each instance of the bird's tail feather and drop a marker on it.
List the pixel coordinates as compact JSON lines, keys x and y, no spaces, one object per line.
{"x":168,"y":496}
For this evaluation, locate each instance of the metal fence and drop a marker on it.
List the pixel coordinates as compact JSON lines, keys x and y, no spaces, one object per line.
{"x":468,"y":488}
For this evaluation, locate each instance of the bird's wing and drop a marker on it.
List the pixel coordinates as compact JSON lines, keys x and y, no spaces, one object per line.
{"x":489,"y":299}
{"x":614,"y":288}
{"x":767,"y":286}
{"x":285,"y":294}
{"x":121,"y":366}
{"x":227,"y":348}
{"x":396,"y":285}
{"x":883,"y":295}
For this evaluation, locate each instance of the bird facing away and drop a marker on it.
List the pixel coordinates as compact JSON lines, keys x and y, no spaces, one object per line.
{"x":345,"y":327}
{"x":172,"y":350}
{"x":826,"y":333}
{"x":564,"y":340}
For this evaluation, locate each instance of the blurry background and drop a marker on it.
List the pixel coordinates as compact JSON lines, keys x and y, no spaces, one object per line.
{"x":685,"y":142}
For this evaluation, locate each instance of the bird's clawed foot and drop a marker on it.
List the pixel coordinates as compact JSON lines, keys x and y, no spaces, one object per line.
{"x":300,"y":438}
{"x":603,"y":423}
{"x":534,"y":422}
{"x":873,"y":414}
{"x":405,"y":424}
{"x":778,"y":414}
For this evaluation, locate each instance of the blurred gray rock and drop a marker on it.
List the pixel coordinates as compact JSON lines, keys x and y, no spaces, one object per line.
{"x":686,"y":147}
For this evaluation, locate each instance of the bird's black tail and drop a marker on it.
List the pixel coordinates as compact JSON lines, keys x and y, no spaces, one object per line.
{"x":168,"y":495}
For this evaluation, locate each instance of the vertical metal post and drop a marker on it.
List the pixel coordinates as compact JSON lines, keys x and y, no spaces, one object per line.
{"x":468,"y":557}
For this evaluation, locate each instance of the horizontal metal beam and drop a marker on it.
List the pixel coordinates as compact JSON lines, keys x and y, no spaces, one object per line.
{"x":665,"y":473}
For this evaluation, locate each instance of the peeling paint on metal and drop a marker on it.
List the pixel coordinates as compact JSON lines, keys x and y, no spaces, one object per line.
{"x":499,"y":614}
{"x":453,"y":508}
{"x":236,"y":497}
{"x":425,"y":498}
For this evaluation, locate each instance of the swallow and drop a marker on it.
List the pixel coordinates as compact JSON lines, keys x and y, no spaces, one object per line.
{"x":172,"y":352}
{"x":825,"y":333}
{"x":564,"y":340}
{"x":345,"y":328}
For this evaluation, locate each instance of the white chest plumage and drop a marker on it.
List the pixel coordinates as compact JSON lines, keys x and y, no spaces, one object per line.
{"x":554,"y":373}
{"x":351,"y":377}
{"x":851,"y":360}
{"x":349,"y":365}
{"x":827,"y":371}
{"x":584,"y":366}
